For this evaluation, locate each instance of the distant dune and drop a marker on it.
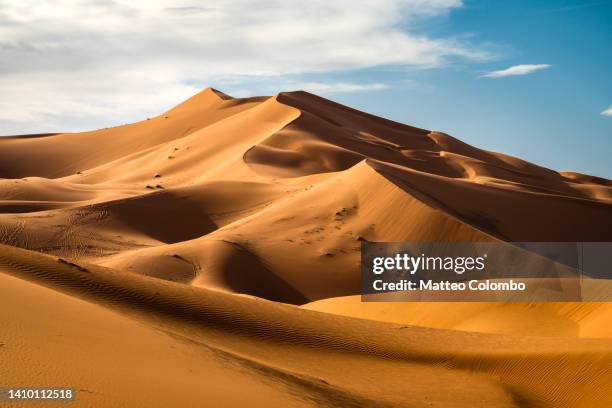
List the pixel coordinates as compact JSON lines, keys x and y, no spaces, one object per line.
{"x":185,"y":260}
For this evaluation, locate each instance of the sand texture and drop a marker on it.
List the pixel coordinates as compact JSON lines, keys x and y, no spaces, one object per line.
{"x":209,"y":256}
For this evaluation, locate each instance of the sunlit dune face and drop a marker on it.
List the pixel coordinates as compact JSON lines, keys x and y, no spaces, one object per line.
{"x":216,"y":248}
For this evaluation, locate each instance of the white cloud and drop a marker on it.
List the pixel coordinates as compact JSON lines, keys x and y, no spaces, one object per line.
{"x":607,"y":112}
{"x":269,"y":85}
{"x":523,"y":69}
{"x":76,"y":64}
{"x":335,"y":87}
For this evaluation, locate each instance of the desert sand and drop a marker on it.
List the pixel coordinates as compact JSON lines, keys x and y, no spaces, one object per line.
{"x":209,"y":256}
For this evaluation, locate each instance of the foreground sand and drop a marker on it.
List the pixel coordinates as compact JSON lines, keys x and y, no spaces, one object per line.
{"x":200,"y":247}
{"x":122,"y":339}
{"x":548,"y":319}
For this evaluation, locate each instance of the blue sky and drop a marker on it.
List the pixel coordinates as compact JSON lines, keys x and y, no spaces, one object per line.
{"x":439,"y":64}
{"x":551,"y":117}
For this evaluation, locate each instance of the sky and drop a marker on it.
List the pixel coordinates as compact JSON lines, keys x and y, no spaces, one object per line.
{"x":526,"y":78}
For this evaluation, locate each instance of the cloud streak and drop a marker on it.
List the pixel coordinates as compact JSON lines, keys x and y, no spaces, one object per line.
{"x":80,"y":64}
{"x":523,"y":69}
{"x":607,"y":112}
{"x":336,"y":87}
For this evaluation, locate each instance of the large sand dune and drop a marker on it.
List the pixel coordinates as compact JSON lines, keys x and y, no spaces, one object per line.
{"x":198,"y":249}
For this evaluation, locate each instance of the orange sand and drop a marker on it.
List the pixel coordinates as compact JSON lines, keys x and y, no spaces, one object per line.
{"x":203,"y":244}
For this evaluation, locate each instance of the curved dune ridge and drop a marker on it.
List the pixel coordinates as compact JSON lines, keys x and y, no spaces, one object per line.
{"x":246,"y":338}
{"x":199,"y":232}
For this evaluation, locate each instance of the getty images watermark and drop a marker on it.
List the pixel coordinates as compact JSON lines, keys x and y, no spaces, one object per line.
{"x":491,"y":271}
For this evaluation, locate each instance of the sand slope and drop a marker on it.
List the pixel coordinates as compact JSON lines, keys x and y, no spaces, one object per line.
{"x":280,"y":346}
{"x":585,"y":320}
{"x":176,"y":217}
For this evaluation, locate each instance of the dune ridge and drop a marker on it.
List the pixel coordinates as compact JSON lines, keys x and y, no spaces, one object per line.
{"x":490,"y":367}
{"x":223,"y":227}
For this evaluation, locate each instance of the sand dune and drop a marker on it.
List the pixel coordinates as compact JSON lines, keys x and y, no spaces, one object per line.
{"x":195,"y":235}
{"x":584,"y":320}
{"x":285,"y":346}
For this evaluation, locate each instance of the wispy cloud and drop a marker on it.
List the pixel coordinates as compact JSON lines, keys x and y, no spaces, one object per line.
{"x":581,"y":5}
{"x":322,"y":86}
{"x":338,"y":87}
{"x":607,"y":112}
{"x":523,"y":69}
{"x":70,"y":64}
